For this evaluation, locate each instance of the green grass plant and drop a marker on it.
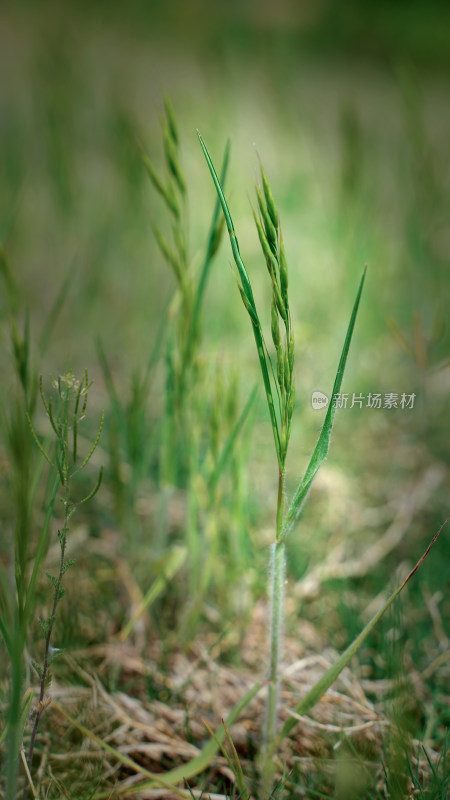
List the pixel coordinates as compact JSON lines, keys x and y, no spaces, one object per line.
{"x":18,"y":587}
{"x":269,"y":233}
{"x":66,"y":463}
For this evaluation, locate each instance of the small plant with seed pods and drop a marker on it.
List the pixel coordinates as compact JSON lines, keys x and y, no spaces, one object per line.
{"x":65,"y":418}
{"x":270,"y":237}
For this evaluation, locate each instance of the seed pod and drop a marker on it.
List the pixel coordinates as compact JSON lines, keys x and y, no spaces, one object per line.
{"x":263,"y":241}
{"x":287,"y":374}
{"x":291,"y":352}
{"x":171,"y":122}
{"x":275,"y":328}
{"x":168,"y":253}
{"x":270,"y":202}
{"x":180,"y":242}
{"x":166,"y":192}
{"x":280,"y":368}
{"x":271,"y":233}
{"x":291,"y":401}
{"x":170,"y":152}
{"x":283,"y":273}
{"x":279,"y":301}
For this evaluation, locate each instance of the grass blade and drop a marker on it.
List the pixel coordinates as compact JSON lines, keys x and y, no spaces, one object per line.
{"x":248,"y":299}
{"x":229,"y":444}
{"x":323,"y":442}
{"x":210,"y":248}
{"x":232,"y":761}
{"x":172,"y":563}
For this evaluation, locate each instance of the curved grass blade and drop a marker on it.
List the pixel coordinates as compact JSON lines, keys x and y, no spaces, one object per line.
{"x":323,"y":442}
{"x":170,"y":566}
{"x":248,"y":299}
{"x":229,"y":444}
{"x":232,"y":761}
{"x":329,"y":677}
{"x":211,"y":246}
{"x":173,"y":776}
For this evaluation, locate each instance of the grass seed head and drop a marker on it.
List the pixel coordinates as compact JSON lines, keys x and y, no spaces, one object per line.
{"x":283,"y":272}
{"x":171,"y":154}
{"x":270,"y":202}
{"x":276,"y":338}
{"x":170,"y":256}
{"x":291,"y":352}
{"x":287,"y":373}
{"x":171,"y":121}
{"x":280,"y":368}
{"x":271,"y":234}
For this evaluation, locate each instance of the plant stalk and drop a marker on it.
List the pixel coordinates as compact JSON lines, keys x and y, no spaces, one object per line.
{"x":276,"y":624}
{"x":47,"y":658}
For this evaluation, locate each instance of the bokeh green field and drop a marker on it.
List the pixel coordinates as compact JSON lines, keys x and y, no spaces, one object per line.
{"x":348,"y":111}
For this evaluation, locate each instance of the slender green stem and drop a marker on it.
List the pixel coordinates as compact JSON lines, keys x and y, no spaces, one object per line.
{"x":277,"y":591}
{"x":56,"y":598}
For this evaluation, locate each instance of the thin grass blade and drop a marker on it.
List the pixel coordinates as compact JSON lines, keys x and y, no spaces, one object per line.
{"x":170,"y":566}
{"x":229,"y":444}
{"x":247,"y":297}
{"x":323,"y":442}
{"x":232,"y":761}
{"x":210,"y":248}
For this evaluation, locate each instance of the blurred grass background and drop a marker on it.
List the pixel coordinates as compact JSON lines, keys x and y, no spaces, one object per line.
{"x":347,"y":106}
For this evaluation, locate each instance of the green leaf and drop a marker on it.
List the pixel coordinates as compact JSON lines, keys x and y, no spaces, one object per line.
{"x":247,"y":296}
{"x":232,"y":761}
{"x":323,"y":442}
{"x":211,"y":246}
{"x":229,"y":444}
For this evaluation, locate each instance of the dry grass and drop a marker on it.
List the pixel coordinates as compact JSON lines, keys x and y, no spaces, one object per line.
{"x":159,"y":734}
